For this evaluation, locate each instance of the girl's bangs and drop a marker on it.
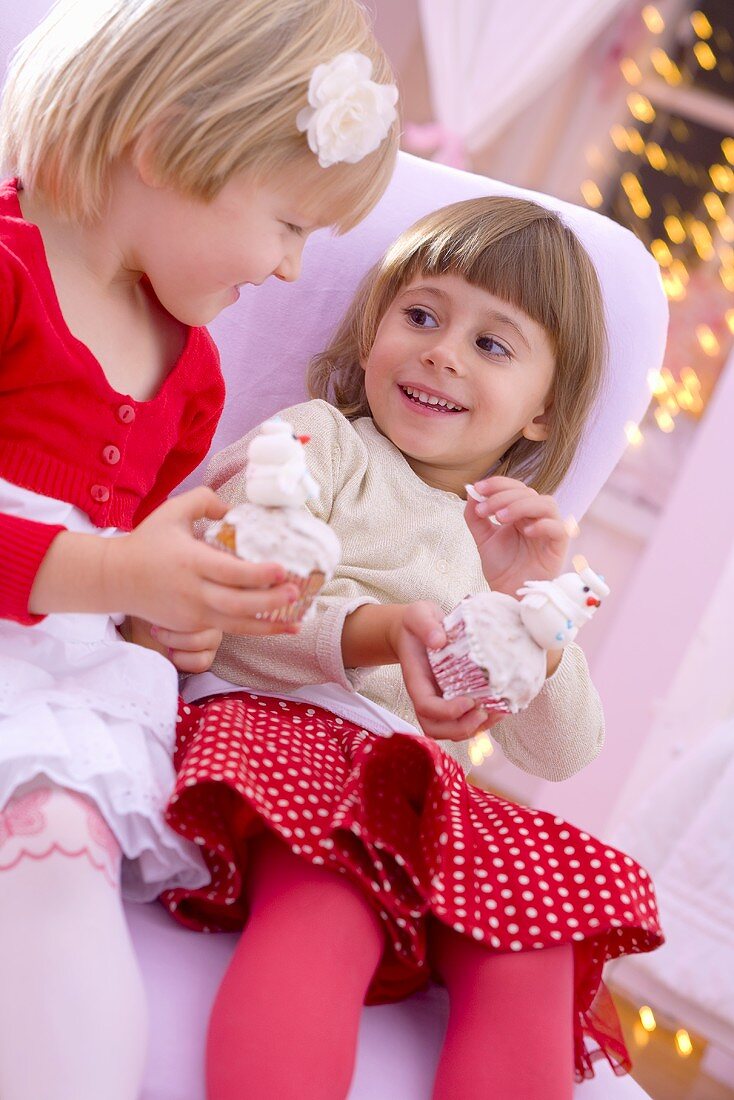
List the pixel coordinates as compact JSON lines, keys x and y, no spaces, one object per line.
{"x":500,"y":266}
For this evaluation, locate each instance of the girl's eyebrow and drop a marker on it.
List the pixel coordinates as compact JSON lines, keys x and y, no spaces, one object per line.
{"x":425,"y":288}
{"x":493,"y":314}
{"x":503,"y":319}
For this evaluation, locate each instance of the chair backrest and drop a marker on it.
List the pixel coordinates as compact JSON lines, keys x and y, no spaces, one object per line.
{"x":267,"y":338}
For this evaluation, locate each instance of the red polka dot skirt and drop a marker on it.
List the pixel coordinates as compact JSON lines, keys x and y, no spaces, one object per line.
{"x":397,"y":815}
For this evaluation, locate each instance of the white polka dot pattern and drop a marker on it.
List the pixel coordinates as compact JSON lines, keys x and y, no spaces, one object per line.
{"x":398,"y":816}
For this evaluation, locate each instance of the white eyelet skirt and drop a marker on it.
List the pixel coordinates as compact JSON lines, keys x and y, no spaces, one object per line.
{"x":96,"y":715}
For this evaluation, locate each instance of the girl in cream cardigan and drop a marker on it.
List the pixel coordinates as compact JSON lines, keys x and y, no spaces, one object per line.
{"x":321,"y":772}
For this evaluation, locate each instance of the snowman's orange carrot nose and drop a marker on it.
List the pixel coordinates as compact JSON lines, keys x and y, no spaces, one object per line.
{"x":592,"y":602}
{"x":303,"y":438}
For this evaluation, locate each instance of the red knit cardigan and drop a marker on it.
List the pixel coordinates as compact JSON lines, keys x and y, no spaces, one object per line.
{"x":65,"y":432}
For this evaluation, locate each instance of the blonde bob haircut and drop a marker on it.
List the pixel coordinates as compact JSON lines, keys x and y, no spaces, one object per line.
{"x":523,"y":254}
{"x":205,"y":89}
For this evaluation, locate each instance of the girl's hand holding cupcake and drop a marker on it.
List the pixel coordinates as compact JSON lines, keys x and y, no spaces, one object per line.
{"x":417,"y":627}
{"x":161,"y":573}
{"x":525,"y":539}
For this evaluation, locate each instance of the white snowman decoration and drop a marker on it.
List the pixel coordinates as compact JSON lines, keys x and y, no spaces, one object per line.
{"x":553,"y":611}
{"x":497,"y":645}
{"x":276,"y":475}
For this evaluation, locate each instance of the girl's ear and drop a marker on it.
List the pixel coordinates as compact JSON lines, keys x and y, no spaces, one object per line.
{"x":142,"y":163}
{"x":143,"y":156}
{"x":537,"y":430}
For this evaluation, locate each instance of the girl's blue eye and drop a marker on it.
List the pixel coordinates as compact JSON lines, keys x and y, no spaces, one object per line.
{"x":419,"y":317}
{"x":492,"y":346}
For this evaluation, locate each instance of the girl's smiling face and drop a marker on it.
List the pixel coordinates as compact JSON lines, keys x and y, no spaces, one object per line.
{"x":198,"y":254}
{"x":455,"y":376}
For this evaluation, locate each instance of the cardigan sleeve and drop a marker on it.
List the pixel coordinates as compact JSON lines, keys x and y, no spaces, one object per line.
{"x":313,"y":656}
{"x":23,"y":542}
{"x":23,"y":546}
{"x":562,"y":730}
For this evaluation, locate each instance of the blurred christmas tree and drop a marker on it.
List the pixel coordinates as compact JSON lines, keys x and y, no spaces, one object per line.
{"x":674,"y":188}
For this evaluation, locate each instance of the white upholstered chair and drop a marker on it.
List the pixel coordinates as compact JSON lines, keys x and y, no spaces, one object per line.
{"x":266,"y":341}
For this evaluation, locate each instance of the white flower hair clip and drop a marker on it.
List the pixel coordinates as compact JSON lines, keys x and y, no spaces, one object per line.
{"x":349,"y":114}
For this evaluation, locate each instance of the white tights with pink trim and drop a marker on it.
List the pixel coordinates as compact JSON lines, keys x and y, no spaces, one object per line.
{"x":72,"y":1010}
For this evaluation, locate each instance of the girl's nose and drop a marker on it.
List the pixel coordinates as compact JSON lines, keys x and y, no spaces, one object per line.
{"x":441,"y":357}
{"x":289,"y":267}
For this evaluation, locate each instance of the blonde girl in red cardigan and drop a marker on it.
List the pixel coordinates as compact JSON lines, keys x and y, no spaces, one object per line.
{"x":163,"y":153}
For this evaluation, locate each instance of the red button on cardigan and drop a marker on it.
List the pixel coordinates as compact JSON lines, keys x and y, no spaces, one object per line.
{"x":100,"y":493}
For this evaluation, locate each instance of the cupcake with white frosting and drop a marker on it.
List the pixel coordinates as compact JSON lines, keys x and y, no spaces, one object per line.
{"x":274,"y":524}
{"x":497,"y":645}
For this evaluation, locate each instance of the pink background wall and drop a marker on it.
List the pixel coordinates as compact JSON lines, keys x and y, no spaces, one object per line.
{"x":646,"y":652}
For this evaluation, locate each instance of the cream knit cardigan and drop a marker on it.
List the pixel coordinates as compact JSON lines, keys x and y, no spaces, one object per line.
{"x":402,"y":540}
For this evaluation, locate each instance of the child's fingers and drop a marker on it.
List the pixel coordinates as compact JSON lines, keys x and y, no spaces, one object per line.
{"x":233,"y":572}
{"x":434,"y":708}
{"x":526,"y":506}
{"x":187,"y":641}
{"x":550,"y":529}
{"x":239,"y":611}
{"x":425,"y":621}
{"x":418,"y":675}
{"x":503,"y":499}
{"x":186,"y":661}
{"x":493,"y":718}
{"x":489,"y":486}
{"x":419,"y":682}
{"x":200,"y":503}
{"x":460,"y":730}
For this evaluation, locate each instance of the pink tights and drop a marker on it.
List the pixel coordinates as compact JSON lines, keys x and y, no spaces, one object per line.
{"x":287,"y":1014}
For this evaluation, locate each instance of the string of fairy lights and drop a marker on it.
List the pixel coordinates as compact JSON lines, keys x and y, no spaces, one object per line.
{"x":646,"y":1023}
{"x":707,"y":231}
